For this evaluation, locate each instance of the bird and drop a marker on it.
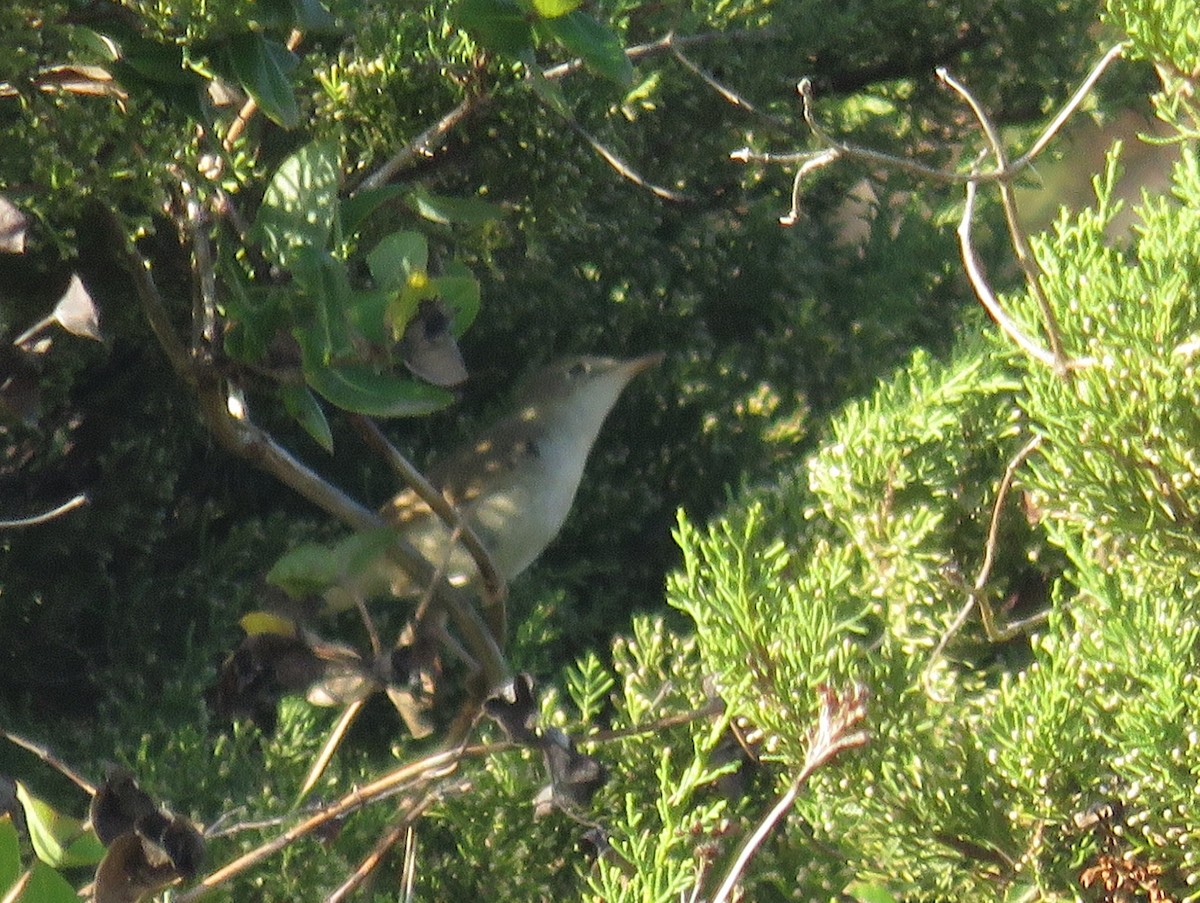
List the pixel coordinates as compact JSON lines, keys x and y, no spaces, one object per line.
{"x":513,"y":485}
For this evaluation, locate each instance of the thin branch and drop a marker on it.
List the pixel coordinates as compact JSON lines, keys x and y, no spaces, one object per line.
{"x":424,"y":145}
{"x":427,"y":143}
{"x":204,"y":311}
{"x":624,"y":170}
{"x":726,"y":92}
{"x":153,"y":306}
{"x":669,"y":41}
{"x":1019,"y":238}
{"x":817,"y":161}
{"x":975,"y":594}
{"x":45,"y":516}
{"x":837,"y":715}
{"x":409,"y":872}
{"x":494,"y":587}
{"x":14,"y":893}
{"x":402,"y":826}
{"x":984,"y":292}
{"x":429,"y":768}
{"x":1070,"y":106}
{"x":49,"y":758}
{"x":708,"y":710}
{"x":329,"y":747}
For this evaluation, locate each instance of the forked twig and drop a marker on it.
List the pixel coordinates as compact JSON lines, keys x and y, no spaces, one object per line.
{"x":1003,"y":173}
{"x":838,"y":714}
{"x":1019,"y":239}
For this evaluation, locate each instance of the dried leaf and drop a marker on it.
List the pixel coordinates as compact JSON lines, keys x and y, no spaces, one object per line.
{"x":76,"y":311}
{"x":13,"y":226}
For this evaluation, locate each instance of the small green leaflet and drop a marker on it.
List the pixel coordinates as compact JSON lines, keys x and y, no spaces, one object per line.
{"x":59,"y":840}
{"x":306,"y":411}
{"x":299,"y":205}
{"x":597,"y":44}
{"x":264,"y":68}
{"x":552,"y":9}
{"x":364,"y":390}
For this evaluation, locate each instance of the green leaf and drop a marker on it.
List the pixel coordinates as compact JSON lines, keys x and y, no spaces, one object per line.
{"x":156,"y":62}
{"x":323,"y":331}
{"x":312,"y":16}
{"x":456,"y":211}
{"x":311,"y":569}
{"x":48,"y":886}
{"x":360,"y":205}
{"x":298,"y":207}
{"x":368,"y":313}
{"x":307,"y":411}
{"x":59,"y":840}
{"x":10,"y":853}
{"x":264,"y":68}
{"x":597,"y":44}
{"x":552,"y":9}
{"x":869,"y":893}
{"x":365,"y":390}
{"x":397,"y":257}
{"x":461,"y":296}
{"x":499,"y":25}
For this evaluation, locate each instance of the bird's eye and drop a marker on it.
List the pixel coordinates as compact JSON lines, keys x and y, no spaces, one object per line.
{"x":578,"y":369}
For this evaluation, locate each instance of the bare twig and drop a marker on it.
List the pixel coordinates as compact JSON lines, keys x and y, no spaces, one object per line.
{"x":667,"y":42}
{"x":409,"y":873}
{"x":1070,"y":106}
{"x":975,"y":594}
{"x":204,"y":312}
{"x":424,"y":145}
{"x":1004,"y":173}
{"x":401,"y":827}
{"x":18,"y":888}
{"x":837,"y":715}
{"x":329,"y":747}
{"x":725,"y":91}
{"x":428,"y":768}
{"x":984,"y":292}
{"x":495,"y":590}
{"x":624,"y":170}
{"x":49,"y":758}
{"x":1017,"y":234}
{"x":45,"y":516}
{"x":813,"y":163}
